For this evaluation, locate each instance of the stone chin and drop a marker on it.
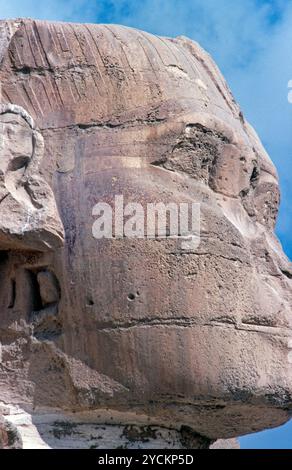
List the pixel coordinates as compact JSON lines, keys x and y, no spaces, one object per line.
{"x":138,"y":332}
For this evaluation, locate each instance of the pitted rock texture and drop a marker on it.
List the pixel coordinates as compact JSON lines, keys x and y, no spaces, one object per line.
{"x":9,"y":436}
{"x":150,"y":333}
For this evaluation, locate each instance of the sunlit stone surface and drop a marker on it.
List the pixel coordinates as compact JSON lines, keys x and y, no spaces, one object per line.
{"x":148,"y":344}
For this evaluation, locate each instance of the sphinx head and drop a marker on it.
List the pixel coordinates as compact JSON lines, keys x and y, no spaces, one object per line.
{"x":196,"y":336}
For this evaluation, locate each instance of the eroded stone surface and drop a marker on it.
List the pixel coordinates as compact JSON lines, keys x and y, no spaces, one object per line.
{"x":156,"y":336}
{"x":9,"y":436}
{"x":90,"y":430}
{"x":29,"y":216}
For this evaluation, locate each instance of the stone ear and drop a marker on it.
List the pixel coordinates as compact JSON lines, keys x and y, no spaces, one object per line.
{"x":36,"y":223}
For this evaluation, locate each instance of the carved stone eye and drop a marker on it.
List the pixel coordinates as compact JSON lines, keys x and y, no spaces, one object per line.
{"x":196,"y":152}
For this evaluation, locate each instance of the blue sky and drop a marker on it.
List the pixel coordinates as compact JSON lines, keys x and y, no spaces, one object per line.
{"x":250,"y":41}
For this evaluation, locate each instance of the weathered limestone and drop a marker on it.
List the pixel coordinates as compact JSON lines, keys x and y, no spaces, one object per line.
{"x":29,"y":216}
{"x":134,"y":333}
{"x":9,"y":436}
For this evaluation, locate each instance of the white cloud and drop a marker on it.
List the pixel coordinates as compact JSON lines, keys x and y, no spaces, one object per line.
{"x":63,"y":10}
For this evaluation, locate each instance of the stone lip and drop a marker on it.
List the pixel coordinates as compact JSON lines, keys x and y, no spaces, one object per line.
{"x":200,"y":339}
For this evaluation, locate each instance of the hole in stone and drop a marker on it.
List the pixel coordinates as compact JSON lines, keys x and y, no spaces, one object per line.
{"x":287,"y":273}
{"x":12,"y":293}
{"x":131,"y":297}
{"x":18,"y":163}
{"x":3,"y":256}
{"x":25,"y":70}
{"x":254,"y":176}
{"x":35,"y":292}
{"x":89,"y":302}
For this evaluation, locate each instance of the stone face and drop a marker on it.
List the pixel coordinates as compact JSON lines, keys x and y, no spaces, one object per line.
{"x":136,"y":332}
